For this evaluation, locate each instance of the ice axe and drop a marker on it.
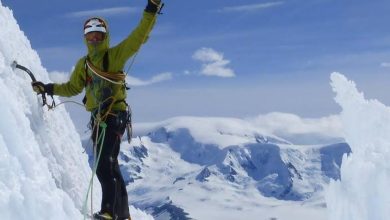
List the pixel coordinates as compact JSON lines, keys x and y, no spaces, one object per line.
{"x":15,"y":65}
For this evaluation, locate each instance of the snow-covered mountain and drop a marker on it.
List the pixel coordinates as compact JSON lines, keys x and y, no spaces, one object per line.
{"x":204,"y":168}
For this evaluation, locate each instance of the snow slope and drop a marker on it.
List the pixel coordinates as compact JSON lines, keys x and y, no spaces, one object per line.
{"x":365,"y":178}
{"x":44,"y":172}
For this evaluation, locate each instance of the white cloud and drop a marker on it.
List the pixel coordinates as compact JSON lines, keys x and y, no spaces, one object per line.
{"x":214,"y":63}
{"x":384,"y":64}
{"x":133,"y":81}
{"x":187,"y":72}
{"x":252,"y":7}
{"x":59,"y":77}
{"x":103,"y":12}
{"x":291,"y":123}
{"x":301,"y":130}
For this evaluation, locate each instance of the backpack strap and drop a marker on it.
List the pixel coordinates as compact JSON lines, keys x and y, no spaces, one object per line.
{"x":105,"y":62}
{"x":88,"y":78}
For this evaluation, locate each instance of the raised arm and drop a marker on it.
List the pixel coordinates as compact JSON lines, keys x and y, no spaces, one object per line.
{"x":124,"y":50}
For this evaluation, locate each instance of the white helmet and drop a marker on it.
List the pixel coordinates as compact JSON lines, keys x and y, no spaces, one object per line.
{"x":95,"y":24}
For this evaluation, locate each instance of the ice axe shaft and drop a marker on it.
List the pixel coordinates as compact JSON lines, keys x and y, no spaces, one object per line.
{"x":18,"y":66}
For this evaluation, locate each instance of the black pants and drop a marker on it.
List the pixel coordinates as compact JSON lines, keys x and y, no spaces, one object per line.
{"x":114,"y":200}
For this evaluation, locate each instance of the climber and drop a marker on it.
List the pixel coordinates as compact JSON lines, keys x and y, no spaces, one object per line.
{"x":100,"y":73}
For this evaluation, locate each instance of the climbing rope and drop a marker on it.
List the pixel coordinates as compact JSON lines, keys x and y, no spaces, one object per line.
{"x":99,"y":122}
{"x":99,"y":139}
{"x":115,"y":78}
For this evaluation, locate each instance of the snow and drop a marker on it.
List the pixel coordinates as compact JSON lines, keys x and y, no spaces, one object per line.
{"x":362,"y":192}
{"x":44,"y":172}
{"x":218,"y":131}
{"x":175,"y":164}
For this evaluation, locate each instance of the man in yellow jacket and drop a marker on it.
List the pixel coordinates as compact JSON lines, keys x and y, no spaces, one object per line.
{"x":100,"y":73}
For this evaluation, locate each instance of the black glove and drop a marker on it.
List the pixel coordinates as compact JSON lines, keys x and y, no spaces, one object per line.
{"x":152,"y":6}
{"x":41,"y":88}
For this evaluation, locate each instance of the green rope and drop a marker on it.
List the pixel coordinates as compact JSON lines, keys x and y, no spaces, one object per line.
{"x":101,"y":137}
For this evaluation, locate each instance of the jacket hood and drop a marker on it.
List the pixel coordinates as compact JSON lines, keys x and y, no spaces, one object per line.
{"x":101,"y":48}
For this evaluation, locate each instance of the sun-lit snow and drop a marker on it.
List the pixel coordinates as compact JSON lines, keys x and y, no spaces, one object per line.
{"x":44,"y":171}
{"x":362,"y":192}
{"x":205,"y":168}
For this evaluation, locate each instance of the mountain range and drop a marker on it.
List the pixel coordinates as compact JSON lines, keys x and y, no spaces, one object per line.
{"x":204,"y":168}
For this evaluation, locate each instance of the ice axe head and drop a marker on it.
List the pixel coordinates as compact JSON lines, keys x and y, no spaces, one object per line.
{"x":14,"y":64}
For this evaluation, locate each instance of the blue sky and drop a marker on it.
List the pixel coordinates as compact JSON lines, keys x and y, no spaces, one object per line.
{"x":234,"y":58}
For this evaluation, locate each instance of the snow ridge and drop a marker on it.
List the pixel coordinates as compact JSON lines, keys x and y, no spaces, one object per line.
{"x":361,"y":193}
{"x":44,"y":172}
